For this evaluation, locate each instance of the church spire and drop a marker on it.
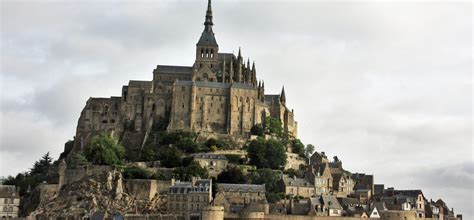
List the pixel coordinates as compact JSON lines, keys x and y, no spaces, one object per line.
{"x":207,"y":36}
{"x":208,"y":23}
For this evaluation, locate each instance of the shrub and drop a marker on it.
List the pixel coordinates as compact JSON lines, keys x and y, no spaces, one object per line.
{"x":232,"y":175}
{"x":257,"y":130}
{"x":234,"y":158}
{"x":135,"y":172}
{"x":104,"y":150}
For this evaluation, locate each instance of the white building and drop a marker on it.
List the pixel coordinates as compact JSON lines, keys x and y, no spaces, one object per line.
{"x":9,"y":201}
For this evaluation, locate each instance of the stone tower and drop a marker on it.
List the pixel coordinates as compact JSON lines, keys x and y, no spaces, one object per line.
{"x":207,"y":51}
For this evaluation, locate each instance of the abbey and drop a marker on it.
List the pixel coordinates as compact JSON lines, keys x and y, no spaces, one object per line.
{"x":218,"y":94}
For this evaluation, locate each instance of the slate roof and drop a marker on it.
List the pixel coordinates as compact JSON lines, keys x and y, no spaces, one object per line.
{"x":410,"y":193}
{"x":242,"y":187}
{"x":138,"y":83}
{"x":272,"y":98}
{"x":300,"y":182}
{"x":207,"y":39}
{"x":300,"y":208}
{"x":174,"y":69}
{"x":225,"y":56}
{"x":331,"y":202}
{"x":349,"y":201}
{"x":8,"y":191}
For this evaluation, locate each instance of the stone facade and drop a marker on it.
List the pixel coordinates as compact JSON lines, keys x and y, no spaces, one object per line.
{"x":187,"y":199}
{"x":297,"y":186}
{"x":236,"y":198}
{"x":218,"y":94}
{"x":214,"y":163}
{"x":9,"y":201}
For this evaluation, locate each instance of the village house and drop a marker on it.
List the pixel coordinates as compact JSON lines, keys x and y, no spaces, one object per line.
{"x":187,"y":199}
{"x":325,"y":205}
{"x":237,"y":197}
{"x":296,"y":186}
{"x":214,"y":163}
{"x":9,"y":201}
{"x":342,"y":184}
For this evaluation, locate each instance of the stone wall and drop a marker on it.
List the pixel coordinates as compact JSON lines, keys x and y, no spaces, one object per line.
{"x":147,"y":189}
{"x":73,"y":175}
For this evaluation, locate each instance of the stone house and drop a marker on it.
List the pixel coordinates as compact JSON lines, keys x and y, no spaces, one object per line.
{"x":396,"y":198}
{"x":325,"y":205}
{"x":296,"y":186}
{"x":214,"y":163}
{"x":9,"y":201}
{"x":320,"y":176}
{"x":342,"y":184}
{"x":187,"y":199}
{"x":235,"y":197}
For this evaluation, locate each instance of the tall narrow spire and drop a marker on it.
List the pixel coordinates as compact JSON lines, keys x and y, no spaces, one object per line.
{"x":282,"y":95}
{"x":207,"y":36}
{"x":208,"y":23}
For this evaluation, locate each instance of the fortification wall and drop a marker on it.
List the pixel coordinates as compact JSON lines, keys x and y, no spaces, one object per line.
{"x":73,"y":175}
{"x":147,"y":189}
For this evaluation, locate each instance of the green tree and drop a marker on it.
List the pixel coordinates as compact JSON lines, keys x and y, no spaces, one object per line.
{"x":193,"y":170}
{"x":257,"y":130}
{"x":309,"y":150}
{"x":232,"y":175}
{"x":273,"y":126}
{"x":266,"y":154}
{"x":294,"y":173}
{"x":170,"y":157}
{"x":42,"y":166}
{"x":135,"y":172}
{"x":271,"y":180}
{"x":104,"y":150}
{"x":77,"y":159}
{"x":298,"y":147}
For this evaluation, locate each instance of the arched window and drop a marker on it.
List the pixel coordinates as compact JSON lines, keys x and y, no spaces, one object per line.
{"x":202,"y":52}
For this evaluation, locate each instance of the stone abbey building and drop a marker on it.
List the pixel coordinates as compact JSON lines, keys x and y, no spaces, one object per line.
{"x":219,"y":94}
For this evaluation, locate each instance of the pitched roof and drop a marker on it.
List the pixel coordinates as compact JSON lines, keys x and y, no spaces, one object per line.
{"x":331,"y":201}
{"x":174,"y":69}
{"x":272,"y":98}
{"x":410,"y":193}
{"x":349,"y":201}
{"x":240,"y":187}
{"x":300,"y":182}
{"x":8,"y":191}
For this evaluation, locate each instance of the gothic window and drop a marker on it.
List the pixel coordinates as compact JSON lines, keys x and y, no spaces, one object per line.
{"x":207,"y":53}
{"x":153,"y":107}
{"x":202,"y":52}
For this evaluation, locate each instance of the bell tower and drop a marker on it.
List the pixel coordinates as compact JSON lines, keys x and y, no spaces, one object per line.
{"x":207,"y":49}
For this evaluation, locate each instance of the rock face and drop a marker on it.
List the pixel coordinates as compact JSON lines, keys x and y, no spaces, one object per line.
{"x":98,"y":193}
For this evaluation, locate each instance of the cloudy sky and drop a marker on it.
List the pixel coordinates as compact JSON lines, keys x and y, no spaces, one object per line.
{"x":386,"y":86}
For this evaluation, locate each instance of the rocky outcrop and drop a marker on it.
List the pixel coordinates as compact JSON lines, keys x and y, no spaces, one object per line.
{"x":98,"y":193}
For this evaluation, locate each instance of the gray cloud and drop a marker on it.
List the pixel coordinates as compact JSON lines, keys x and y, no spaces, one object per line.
{"x":386,"y":86}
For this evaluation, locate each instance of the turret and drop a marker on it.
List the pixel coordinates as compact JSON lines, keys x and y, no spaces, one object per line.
{"x":282,"y":96}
